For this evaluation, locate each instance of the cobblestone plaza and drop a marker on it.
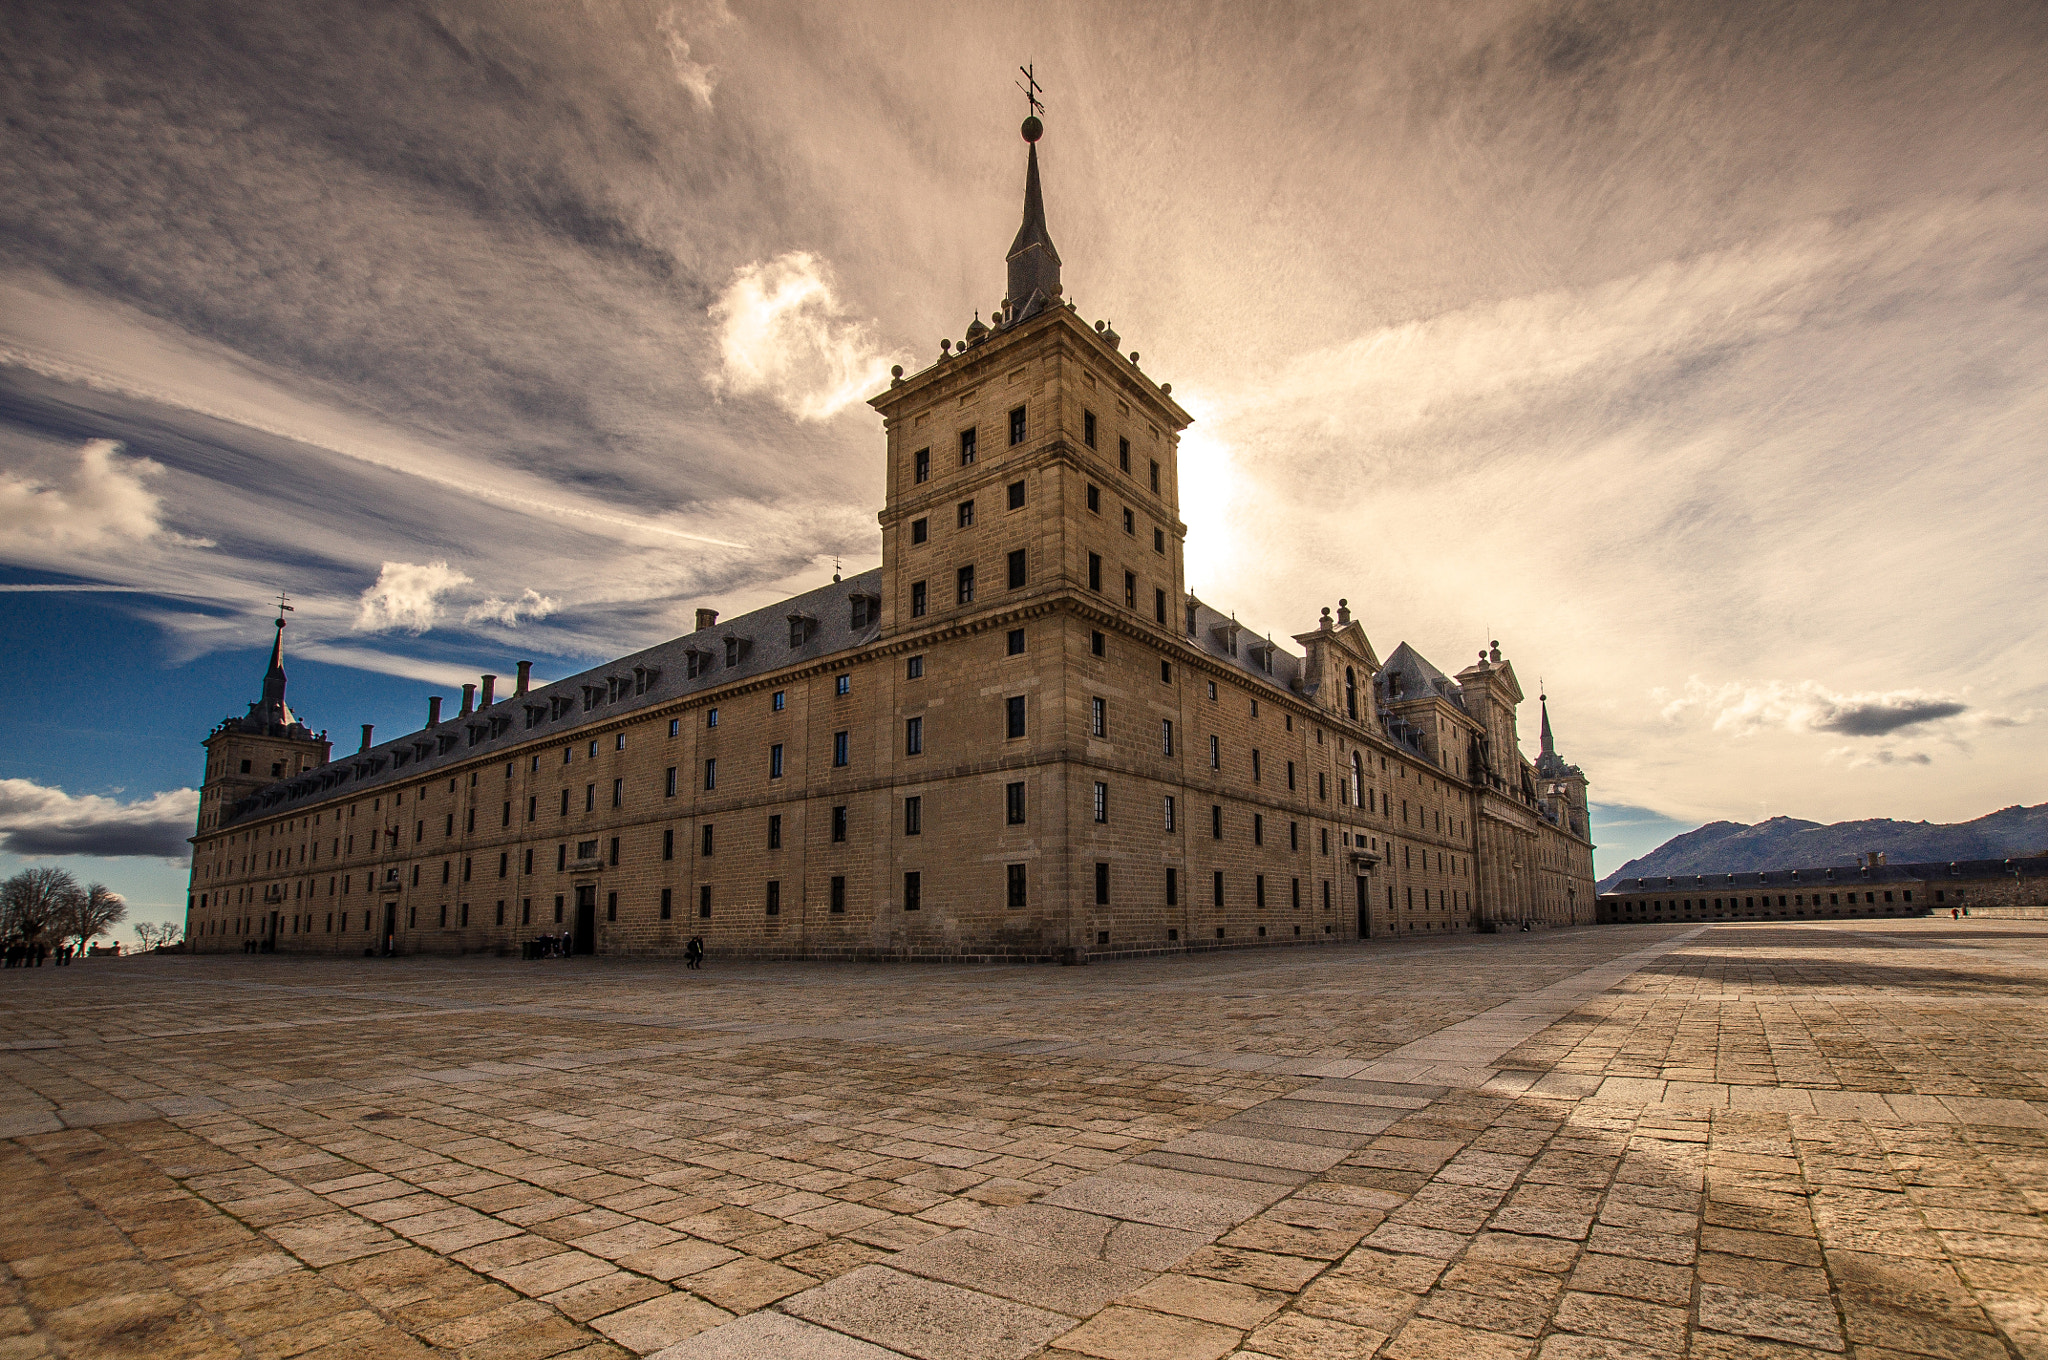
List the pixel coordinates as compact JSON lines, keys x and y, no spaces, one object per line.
{"x":1763,"y":1140}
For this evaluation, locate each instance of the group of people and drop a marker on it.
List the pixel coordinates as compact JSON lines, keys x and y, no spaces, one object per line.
{"x":30,"y":954}
{"x":563,"y":945}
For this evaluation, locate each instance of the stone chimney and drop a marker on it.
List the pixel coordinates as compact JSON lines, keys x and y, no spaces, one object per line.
{"x":366,"y":735}
{"x":525,"y":679}
{"x":468,"y":701}
{"x":433,"y":710}
{"x":706,"y":618}
{"x":490,"y":688}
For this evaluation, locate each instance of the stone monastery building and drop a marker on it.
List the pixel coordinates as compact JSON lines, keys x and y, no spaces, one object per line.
{"x":1018,"y":738}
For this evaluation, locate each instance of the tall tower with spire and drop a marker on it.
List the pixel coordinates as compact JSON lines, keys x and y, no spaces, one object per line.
{"x":265,"y":745}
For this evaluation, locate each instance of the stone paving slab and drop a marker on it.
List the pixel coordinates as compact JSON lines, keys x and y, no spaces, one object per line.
{"x":1754,"y":1141}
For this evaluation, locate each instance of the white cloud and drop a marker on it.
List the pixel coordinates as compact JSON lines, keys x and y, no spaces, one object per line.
{"x":407,"y":595}
{"x":783,"y":332}
{"x":530,"y":605}
{"x":37,"y":820}
{"x":101,"y":502}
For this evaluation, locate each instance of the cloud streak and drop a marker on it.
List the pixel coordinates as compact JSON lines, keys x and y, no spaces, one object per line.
{"x":783,"y":333}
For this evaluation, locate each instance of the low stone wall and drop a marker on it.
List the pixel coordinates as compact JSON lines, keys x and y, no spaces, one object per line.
{"x":1978,"y":913}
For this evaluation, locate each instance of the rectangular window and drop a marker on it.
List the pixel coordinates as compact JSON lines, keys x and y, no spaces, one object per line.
{"x":917,"y":599}
{"x":913,"y":736}
{"x":504,"y":865}
{"x":923,"y":462}
{"x":965,"y":511}
{"x":1216,"y":887}
{"x":707,"y":838}
{"x":1097,"y":644}
{"x":1123,"y":454}
{"x":775,"y":897}
{"x":913,"y":668}
{"x":1017,"y":427}
{"x":675,"y":728}
{"x":774,"y":831}
{"x":1101,"y":801}
{"x":669,"y":783}
{"x":532,"y":811}
{"x":1294,"y":835}
{"x":1155,"y":476}
{"x":1088,"y":428}
{"x":1098,"y":717}
{"x":778,"y":701}
{"x":1094,"y":499}
{"x":1166,"y":672}
{"x":1017,"y":570}
{"x":1258,"y":828}
{"x":1101,"y":883}
{"x":967,"y":446}
{"x":1290,"y":775}
{"x":1014,"y":717}
{"x":913,"y":890}
{"x":1169,"y":812}
{"x":1216,"y":821}
{"x":1215,"y":754}
{"x":618,"y":793}
{"x":711,"y":717}
{"x":590,"y":797}
{"x":711,"y":773}
{"x":561,"y":861}
{"x":1013,"y":804}
{"x":963,"y":585}
{"x":838,"y":899}
{"x":1016,"y":642}
{"x":913,"y":815}
{"x":839,"y":823}
{"x":1095,"y":572}
{"x":1159,"y":541}
{"x":704,"y":902}
{"x":775,"y":761}
{"x":1166,"y":736}
{"x":920,"y":530}
{"x":1173,"y":887}
{"x":668,"y":843}
{"x":668,"y":903}
{"x":1259,"y":890}
{"x":1013,"y":875}
{"x":1158,"y":605}
{"x":1016,"y":493}
{"x":1130,"y":590}
{"x":1255,"y":764}
{"x":1294,"y":892}
{"x":841,"y":749}
{"x":611,"y":907}
{"x":842,"y":685}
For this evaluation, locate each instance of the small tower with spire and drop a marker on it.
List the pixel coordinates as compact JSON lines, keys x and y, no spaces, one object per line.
{"x":1559,"y":784}
{"x":265,"y":745}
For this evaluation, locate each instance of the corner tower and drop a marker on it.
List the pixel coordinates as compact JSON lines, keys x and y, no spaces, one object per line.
{"x":269,"y":743}
{"x":1031,"y":459}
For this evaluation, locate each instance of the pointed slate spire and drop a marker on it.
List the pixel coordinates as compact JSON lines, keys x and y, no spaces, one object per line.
{"x":1034,"y":264}
{"x":271,"y":708}
{"x":1549,"y":747}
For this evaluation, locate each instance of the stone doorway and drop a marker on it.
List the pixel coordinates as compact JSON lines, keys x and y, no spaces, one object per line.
{"x":586,"y":918}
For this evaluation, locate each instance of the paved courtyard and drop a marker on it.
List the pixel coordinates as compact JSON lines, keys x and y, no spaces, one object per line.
{"x":1757,"y":1140}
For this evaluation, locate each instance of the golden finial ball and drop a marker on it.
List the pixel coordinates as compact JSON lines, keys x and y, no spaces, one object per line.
{"x":1033,"y":129}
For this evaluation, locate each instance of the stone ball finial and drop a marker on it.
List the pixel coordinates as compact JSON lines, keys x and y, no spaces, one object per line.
{"x":1033,"y":129}
{"x":1134,"y":356}
{"x":1343,"y":604}
{"x":896,"y":370}
{"x":1166,"y":389}
{"x":945,"y":346}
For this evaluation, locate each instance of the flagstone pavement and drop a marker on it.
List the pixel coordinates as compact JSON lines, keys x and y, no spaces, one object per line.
{"x":1767,"y":1140}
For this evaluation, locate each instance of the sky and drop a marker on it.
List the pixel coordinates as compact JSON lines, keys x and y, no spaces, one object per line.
{"x":1698,"y":352}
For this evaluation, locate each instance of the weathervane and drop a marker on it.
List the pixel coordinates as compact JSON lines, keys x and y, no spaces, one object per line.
{"x":1032,"y":89}
{"x":283,"y":608}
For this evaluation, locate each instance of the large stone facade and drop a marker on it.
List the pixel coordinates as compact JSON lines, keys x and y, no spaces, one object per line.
{"x":1019,"y":738}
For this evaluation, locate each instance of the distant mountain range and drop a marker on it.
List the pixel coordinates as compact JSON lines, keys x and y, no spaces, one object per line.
{"x":1788,"y":843}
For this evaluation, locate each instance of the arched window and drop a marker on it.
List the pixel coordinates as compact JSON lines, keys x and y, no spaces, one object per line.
{"x":1351,"y":693}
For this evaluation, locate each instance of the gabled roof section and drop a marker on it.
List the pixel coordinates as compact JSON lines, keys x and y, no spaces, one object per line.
{"x":1408,"y":675}
{"x":810,"y":627}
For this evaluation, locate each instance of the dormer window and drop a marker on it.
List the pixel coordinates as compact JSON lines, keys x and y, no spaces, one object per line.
{"x":735,"y":649}
{"x":867,"y":609}
{"x":801,"y":629}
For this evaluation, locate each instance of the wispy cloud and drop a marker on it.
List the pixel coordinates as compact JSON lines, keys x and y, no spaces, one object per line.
{"x":1808,"y":706}
{"x":531,"y":605}
{"x":41,"y":821}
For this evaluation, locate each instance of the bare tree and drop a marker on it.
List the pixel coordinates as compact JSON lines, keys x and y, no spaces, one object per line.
{"x":93,"y":910}
{"x":35,"y":900}
{"x":157,"y":933}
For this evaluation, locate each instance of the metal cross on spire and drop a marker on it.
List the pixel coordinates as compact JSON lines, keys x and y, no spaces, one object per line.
{"x":1032,"y":89}
{"x":283,"y":605}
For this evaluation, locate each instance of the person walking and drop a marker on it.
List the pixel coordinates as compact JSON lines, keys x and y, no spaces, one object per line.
{"x":693,"y":952}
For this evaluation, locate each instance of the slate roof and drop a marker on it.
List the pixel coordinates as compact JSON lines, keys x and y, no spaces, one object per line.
{"x":1418,"y":679}
{"x":645,"y":679}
